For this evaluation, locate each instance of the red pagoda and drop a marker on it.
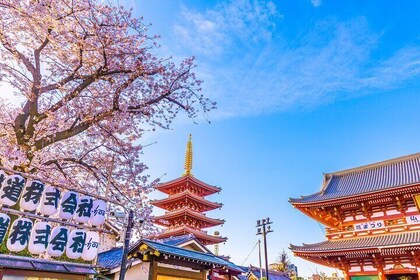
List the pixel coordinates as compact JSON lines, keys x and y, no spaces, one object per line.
{"x":372,"y":220}
{"x":186,"y":206}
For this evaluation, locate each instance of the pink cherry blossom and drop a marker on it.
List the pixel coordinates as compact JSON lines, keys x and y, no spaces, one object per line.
{"x":92,"y":86}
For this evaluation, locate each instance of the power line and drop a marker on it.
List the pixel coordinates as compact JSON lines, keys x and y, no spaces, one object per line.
{"x":250,"y":253}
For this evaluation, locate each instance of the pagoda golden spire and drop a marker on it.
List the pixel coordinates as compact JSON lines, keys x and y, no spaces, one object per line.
{"x":188,"y":158}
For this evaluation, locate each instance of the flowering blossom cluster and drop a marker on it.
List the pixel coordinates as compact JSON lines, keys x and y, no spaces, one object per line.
{"x":92,"y":87}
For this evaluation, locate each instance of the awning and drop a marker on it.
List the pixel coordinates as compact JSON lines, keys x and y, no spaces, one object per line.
{"x":17,"y":262}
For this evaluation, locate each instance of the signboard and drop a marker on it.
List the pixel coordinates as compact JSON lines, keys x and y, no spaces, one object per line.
{"x":369,"y":225}
{"x":49,"y":220}
{"x":412,"y":219}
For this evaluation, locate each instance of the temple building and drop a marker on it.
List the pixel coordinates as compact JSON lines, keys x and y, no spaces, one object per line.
{"x":174,"y":258}
{"x":372,"y":220}
{"x":186,"y":206}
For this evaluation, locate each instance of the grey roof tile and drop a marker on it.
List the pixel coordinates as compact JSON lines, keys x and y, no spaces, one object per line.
{"x":369,"y":242}
{"x":366,"y":179}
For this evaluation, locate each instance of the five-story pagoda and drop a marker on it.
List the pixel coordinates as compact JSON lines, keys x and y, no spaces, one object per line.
{"x":186,"y":204}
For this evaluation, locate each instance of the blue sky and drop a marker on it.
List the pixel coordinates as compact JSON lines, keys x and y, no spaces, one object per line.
{"x":303,"y":88}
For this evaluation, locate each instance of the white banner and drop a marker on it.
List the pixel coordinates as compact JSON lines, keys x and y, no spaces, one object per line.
{"x":369,"y":225}
{"x":35,"y":197}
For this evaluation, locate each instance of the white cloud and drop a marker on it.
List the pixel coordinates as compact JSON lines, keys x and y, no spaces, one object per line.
{"x":331,"y":62}
{"x":211,"y":32}
{"x":316,"y":3}
{"x":249,"y":68}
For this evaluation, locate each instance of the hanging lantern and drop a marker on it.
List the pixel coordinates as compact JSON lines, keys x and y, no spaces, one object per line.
{"x":31,"y":196}
{"x":4,"y":225}
{"x":19,"y":234}
{"x":76,"y":243}
{"x":40,"y":236}
{"x":58,"y":241}
{"x":3,"y":176}
{"x":11,"y":189}
{"x":49,"y":201}
{"x":97,"y":217}
{"x":90,"y":251}
{"x":68,"y":205}
{"x":84,"y":209}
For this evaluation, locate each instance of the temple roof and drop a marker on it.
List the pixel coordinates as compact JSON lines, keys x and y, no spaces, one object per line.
{"x":186,"y":212}
{"x":399,"y":240}
{"x":386,"y":175}
{"x":177,"y":240}
{"x":273,"y":275}
{"x":199,"y":234}
{"x":187,"y":179}
{"x":193,"y":255}
{"x":112,"y":258}
{"x":183,"y":196}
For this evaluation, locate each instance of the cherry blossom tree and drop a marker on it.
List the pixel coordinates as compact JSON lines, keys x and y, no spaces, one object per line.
{"x":92,"y":87}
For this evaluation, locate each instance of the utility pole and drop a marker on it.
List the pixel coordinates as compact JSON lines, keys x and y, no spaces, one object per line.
{"x":130,"y":225}
{"x":259,"y":257}
{"x":264,"y":226}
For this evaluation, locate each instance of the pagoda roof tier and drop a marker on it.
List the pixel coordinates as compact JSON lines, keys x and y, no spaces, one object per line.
{"x":378,"y":177}
{"x":202,"y":236}
{"x":187,"y":182}
{"x":376,"y":243}
{"x":185,"y":196}
{"x":185,"y":213}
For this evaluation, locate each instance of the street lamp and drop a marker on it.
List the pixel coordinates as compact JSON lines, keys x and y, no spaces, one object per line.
{"x":262,"y":229}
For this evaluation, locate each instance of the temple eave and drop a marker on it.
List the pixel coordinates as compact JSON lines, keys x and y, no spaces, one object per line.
{"x":202,"y":236}
{"x":379,"y":242}
{"x":179,"y":181}
{"x":208,"y":222}
{"x":185,"y":197}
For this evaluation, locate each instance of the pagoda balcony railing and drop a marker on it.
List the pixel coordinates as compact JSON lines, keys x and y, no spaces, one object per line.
{"x":184,"y":207}
{"x":194,"y":228}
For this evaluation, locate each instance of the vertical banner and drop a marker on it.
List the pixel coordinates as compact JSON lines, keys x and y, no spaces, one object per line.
{"x":49,"y":201}
{"x":90,"y":251}
{"x":40,"y":236}
{"x":97,"y":217}
{"x":11,"y":189}
{"x":32,"y":195}
{"x":19,"y":235}
{"x":68,"y":205}
{"x":84,"y":209}
{"x":4,"y":225}
{"x":76,"y":243}
{"x":58,"y":241}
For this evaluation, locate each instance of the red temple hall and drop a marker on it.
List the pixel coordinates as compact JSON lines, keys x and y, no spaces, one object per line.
{"x":186,"y":206}
{"x":372,"y":221}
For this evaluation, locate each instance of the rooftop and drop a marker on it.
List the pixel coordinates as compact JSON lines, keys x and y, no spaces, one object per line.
{"x":410,"y":238}
{"x":201,"y":235}
{"x":187,"y":212}
{"x":273,"y":275}
{"x":385,"y":175}
{"x":112,"y":259}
